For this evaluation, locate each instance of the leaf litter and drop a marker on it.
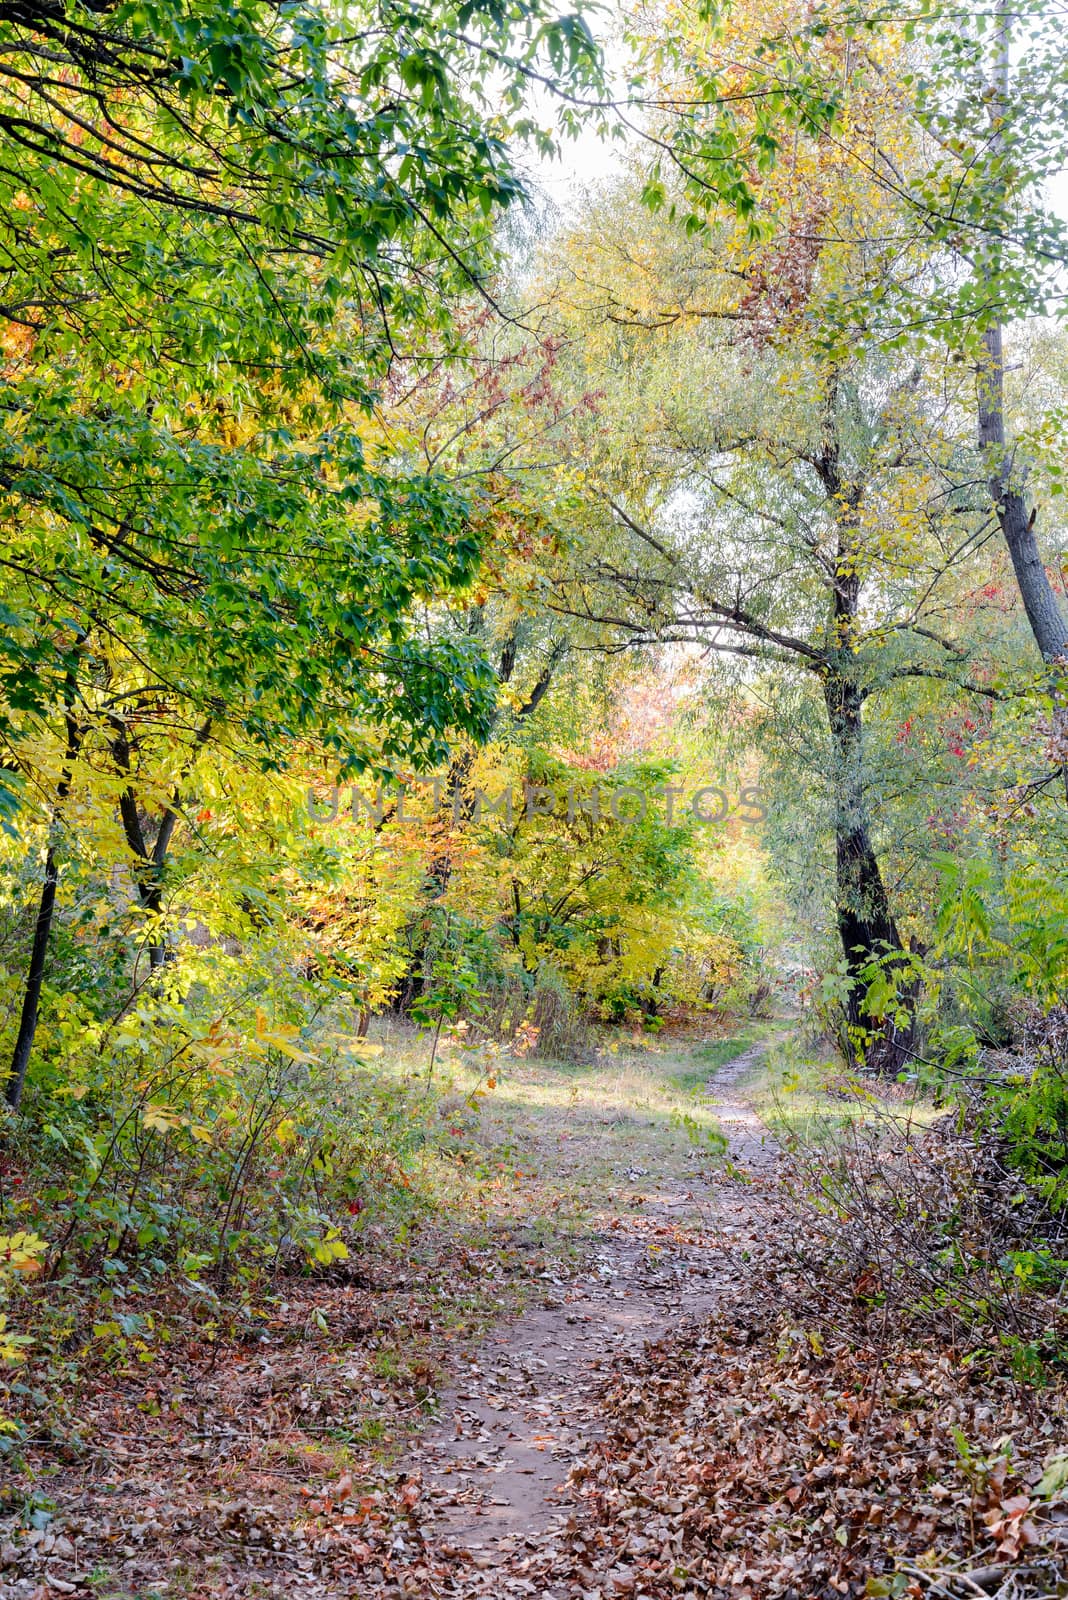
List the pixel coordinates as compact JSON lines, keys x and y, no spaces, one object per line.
{"x":683,"y":1415}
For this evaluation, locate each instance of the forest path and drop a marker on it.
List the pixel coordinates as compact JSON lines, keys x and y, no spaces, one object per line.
{"x":399,"y":1427}
{"x":493,"y":1471}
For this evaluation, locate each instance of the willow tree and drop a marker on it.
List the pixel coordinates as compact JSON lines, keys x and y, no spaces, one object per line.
{"x":957,"y":123}
{"x":801,"y":514}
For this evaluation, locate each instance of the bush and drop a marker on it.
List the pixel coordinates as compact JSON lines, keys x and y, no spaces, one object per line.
{"x":933,"y":1231}
{"x":563,"y":1032}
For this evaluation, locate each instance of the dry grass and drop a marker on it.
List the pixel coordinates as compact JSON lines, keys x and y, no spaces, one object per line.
{"x":561,"y":1142}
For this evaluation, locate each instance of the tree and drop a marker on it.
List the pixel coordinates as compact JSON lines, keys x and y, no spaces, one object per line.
{"x":924,"y":109}
{"x":802,"y":513}
{"x":212,"y":256}
{"x":320,"y":153}
{"x":221,"y":231}
{"x":1007,"y":475}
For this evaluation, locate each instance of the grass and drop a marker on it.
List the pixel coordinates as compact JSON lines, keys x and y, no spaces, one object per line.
{"x":706,"y":1058}
{"x":551,"y":1147}
{"x":814,"y":1100}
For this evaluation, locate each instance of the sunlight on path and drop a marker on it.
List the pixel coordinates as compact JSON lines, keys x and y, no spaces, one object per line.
{"x":494,"y":1471}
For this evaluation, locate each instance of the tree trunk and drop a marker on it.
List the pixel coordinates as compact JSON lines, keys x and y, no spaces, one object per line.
{"x":31,"y":999}
{"x":1007,"y":480}
{"x":866,"y":924}
{"x":1017,"y":523}
{"x":150,"y":864}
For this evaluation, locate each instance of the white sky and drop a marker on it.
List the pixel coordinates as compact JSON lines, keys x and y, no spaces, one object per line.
{"x":586,"y":161}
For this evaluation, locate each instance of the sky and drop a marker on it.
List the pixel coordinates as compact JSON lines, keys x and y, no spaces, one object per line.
{"x":585,"y":162}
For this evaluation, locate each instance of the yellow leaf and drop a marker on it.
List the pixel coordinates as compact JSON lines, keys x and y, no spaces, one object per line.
{"x":161,"y":1117}
{"x":330,"y":1248}
{"x":19,"y":1252}
{"x":281,"y":1042}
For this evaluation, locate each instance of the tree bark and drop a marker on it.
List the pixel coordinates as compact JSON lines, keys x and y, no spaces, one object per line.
{"x":31,"y":999}
{"x":1007,"y":480}
{"x":149,"y":865}
{"x":1017,"y":523}
{"x":866,"y":924}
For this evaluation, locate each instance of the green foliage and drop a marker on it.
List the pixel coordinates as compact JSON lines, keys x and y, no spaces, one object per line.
{"x":1004,"y":925}
{"x":976,"y":239}
{"x":218,"y":255}
{"x":221,"y":1153}
{"x":279,"y":509}
{"x":602,"y":889}
{"x":1029,"y":1109}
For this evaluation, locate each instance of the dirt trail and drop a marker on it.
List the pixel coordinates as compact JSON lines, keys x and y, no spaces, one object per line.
{"x":751,"y":1148}
{"x":253,"y":1475}
{"x":494,"y":1470}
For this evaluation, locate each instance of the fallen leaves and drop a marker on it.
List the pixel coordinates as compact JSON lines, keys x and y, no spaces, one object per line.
{"x":774,"y":1453}
{"x":798,"y":1443}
